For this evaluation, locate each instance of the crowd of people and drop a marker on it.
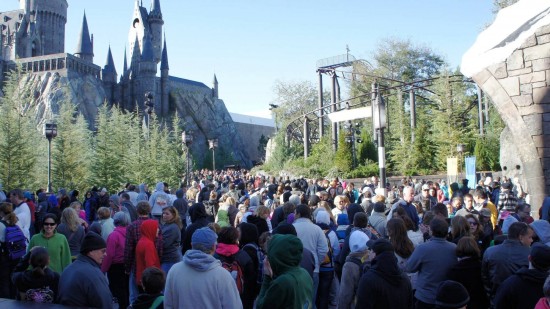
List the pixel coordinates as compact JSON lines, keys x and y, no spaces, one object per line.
{"x":230,"y":239}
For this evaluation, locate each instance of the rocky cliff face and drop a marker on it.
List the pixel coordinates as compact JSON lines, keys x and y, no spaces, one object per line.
{"x":50,"y":88}
{"x":208,"y":118}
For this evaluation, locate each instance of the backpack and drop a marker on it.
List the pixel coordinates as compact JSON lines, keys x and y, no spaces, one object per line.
{"x":327,"y":261}
{"x":210,"y":208}
{"x":261,"y":257}
{"x":15,"y":242}
{"x":40,"y":295}
{"x":236,"y":272}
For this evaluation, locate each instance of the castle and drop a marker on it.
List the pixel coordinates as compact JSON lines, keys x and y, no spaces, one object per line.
{"x":34,"y":37}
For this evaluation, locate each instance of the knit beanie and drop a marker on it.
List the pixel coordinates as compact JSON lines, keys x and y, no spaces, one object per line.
{"x":91,"y":242}
{"x":451,"y":294}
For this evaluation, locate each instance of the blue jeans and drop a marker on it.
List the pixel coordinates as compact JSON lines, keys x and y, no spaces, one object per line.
{"x":134,"y":292}
{"x":166,"y":267}
{"x":315,"y":286}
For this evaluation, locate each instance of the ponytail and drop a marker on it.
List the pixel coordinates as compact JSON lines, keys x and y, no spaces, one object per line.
{"x":9,"y":216}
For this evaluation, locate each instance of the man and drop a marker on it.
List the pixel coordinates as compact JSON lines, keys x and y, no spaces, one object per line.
{"x":525,"y":287}
{"x":521,"y":214}
{"x":125,"y":202}
{"x":432,"y":260}
{"x":406,"y":203}
{"x":481,"y":200}
{"x":103,"y":199}
{"x":181,"y":204}
{"x":82,"y":284}
{"x":425,"y":198}
{"x":133,"y":233}
{"x":468,"y":206}
{"x":312,"y":238}
{"x":285,"y":284}
{"x":132,"y":194}
{"x":383,"y":285}
{"x":156,"y":209}
{"x":506,"y":199}
{"x":378,"y":219}
{"x":501,"y":261}
{"x":22,"y":211}
{"x":200,"y":281}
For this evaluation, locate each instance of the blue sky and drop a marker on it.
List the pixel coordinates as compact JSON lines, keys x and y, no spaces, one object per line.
{"x":251,"y":44}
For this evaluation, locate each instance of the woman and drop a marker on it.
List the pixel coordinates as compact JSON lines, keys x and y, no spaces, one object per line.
{"x":351,"y":192}
{"x":105,"y":221}
{"x":7,"y":289}
{"x":171,"y":238}
{"x":404,"y":247}
{"x":260,"y":219}
{"x":113,"y":263}
{"x":89,"y":207}
{"x":237,"y":262}
{"x":459,"y":228}
{"x":476,"y":230}
{"x":56,"y":243}
{"x":468,"y":272}
{"x":38,"y":284}
{"x":417,"y":237}
{"x":77,"y":206}
{"x":72,"y":230}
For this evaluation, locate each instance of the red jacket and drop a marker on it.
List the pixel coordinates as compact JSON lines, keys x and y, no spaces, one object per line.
{"x":146,"y":253}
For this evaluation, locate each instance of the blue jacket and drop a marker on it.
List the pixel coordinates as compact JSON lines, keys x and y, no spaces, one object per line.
{"x":432,"y":260}
{"x":82,"y":284}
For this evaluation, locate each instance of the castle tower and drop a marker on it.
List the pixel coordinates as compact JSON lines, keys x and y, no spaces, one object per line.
{"x":138,"y":28}
{"x":215,"y":88}
{"x":109,"y":76}
{"x":85,"y":47}
{"x":148,"y":74}
{"x":164,"y":88}
{"x":51,"y":17}
{"x":155,"y":29}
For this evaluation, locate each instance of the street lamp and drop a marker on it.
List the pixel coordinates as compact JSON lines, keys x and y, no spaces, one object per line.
{"x":50,"y":132}
{"x":213,"y":144}
{"x":187,"y":140}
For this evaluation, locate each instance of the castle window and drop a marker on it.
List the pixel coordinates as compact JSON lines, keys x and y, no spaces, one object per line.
{"x":6,"y":18}
{"x":20,"y":16}
{"x":135,"y":23}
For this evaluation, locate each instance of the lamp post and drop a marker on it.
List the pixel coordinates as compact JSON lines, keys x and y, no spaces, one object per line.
{"x":187,"y":140}
{"x":213,"y":144}
{"x":352,"y":138}
{"x":50,"y":132}
{"x":460,"y":148}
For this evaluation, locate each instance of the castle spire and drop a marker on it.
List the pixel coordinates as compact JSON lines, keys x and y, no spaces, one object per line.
{"x":125,"y":62}
{"x":110,"y":64}
{"x":164,"y":62}
{"x":84,"y":48}
{"x":215,"y":81}
{"x":155,"y":8}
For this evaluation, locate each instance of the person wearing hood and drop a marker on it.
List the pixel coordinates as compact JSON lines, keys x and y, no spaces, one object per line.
{"x":360,"y":223}
{"x":181,"y":205}
{"x":326,"y":269}
{"x":248,"y":242}
{"x":113,"y":264}
{"x":156,"y":208}
{"x":200,"y":281}
{"x":199,"y":219}
{"x":146,"y":252}
{"x":142,"y":195}
{"x":82,"y":284}
{"x":524,"y":288}
{"x":285,"y":283}
{"x":542,"y":230}
{"x":352,"y":270}
{"x":383,"y":285}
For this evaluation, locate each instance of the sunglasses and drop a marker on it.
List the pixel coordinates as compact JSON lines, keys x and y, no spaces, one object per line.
{"x":473,"y":223}
{"x":49,"y":224}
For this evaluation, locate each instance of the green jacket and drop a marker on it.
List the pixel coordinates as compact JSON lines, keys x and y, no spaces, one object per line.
{"x":291,"y":286}
{"x":58,"y":250}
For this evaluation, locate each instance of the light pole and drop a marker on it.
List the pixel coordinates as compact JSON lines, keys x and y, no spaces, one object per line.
{"x":50,"y":132}
{"x":187,"y":140}
{"x":351,"y":138}
{"x":213,"y":144}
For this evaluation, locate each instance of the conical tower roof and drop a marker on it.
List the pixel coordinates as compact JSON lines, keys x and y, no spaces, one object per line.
{"x":84,"y":46}
{"x":164,"y":61}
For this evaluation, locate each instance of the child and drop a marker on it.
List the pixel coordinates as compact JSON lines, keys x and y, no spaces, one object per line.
{"x":152,"y":282}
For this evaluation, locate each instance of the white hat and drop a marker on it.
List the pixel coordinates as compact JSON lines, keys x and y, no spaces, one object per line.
{"x":358,"y":241}
{"x":322,"y":217}
{"x":425,"y":187}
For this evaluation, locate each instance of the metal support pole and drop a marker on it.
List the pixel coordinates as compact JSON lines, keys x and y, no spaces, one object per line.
{"x":333,"y":109}
{"x":49,"y":165}
{"x":486,"y":101}
{"x":413,"y":114}
{"x":480,"y":110}
{"x":213,"y":159}
{"x":374,"y":88}
{"x":187,"y":169}
{"x":353,"y":149}
{"x":381,"y":159}
{"x":321,"y":110}
{"x":306,"y":138}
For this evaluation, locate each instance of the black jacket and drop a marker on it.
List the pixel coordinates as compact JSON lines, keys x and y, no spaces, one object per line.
{"x":468,"y":272}
{"x":383,"y":285}
{"x":145,"y":301}
{"x":25,"y":279}
{"x":521,"y":290}
{"x":198,"y":219}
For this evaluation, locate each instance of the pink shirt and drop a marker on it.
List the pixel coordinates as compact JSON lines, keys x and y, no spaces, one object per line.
{"x":115,"y":248}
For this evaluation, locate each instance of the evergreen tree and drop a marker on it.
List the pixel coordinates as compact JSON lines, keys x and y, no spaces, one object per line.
{"x":71,"y":150}
{"x":18,"y":136}
{"x":343,"y":158}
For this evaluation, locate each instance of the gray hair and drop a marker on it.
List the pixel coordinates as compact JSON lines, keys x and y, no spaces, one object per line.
{"x":121,"y":219}
{"x":294,"y":199}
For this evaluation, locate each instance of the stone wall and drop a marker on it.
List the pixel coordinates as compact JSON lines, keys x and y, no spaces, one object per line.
{"x":253,"y":133}
{"x":520,"y":89}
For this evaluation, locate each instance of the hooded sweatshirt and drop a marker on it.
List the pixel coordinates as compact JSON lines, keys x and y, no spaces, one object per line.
{"x":291,"y":286}
{"x":200,"y":272}
{"x":142,"y":195}
{"x":146,"y":252}
{"x":156,"y":210}
{"x":198,"y":219}
{"x":383,"y":285}
{"x":542,"y":229}
{"x":529,"y":282}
